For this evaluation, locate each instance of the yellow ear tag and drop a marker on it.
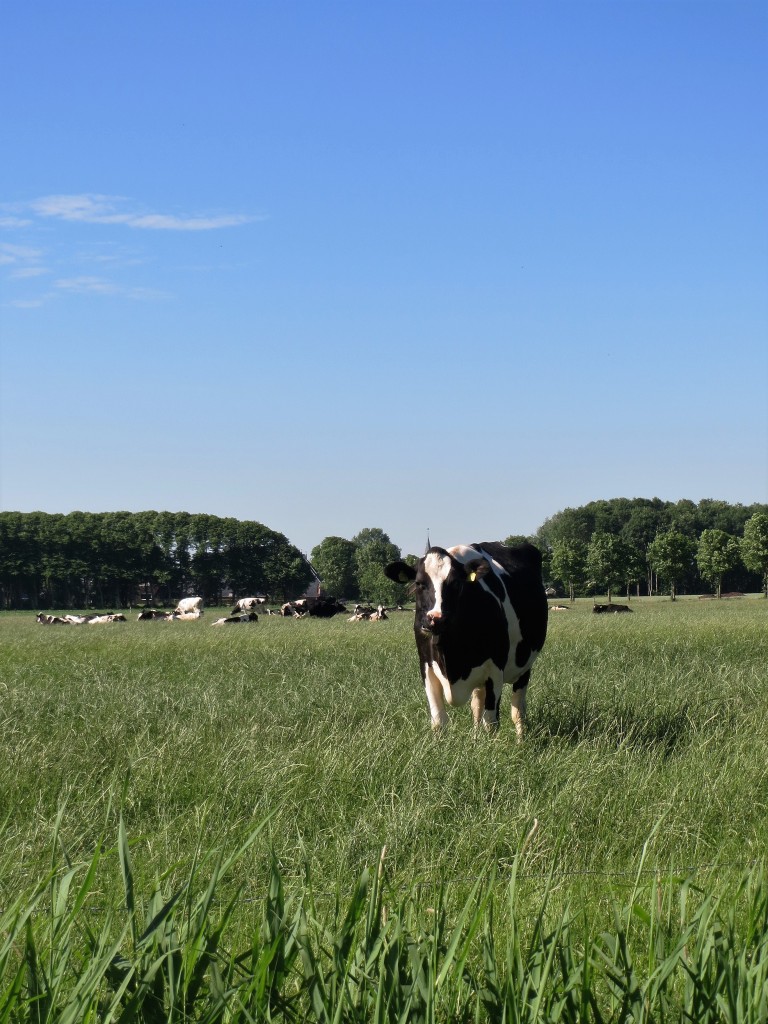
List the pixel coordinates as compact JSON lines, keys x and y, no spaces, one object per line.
{"x":472,"y":577}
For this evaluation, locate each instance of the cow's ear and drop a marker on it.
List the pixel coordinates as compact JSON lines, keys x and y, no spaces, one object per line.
{"x":476,"y":568}
{"x":400,"y":572}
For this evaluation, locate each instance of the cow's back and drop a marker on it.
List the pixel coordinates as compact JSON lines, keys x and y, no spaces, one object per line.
{"x":525,"y":589}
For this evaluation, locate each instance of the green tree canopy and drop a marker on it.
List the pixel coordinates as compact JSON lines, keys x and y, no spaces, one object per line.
{"x":717,"y":553}
{"x":608,"y":561}
{"x":334,"y":562}
{"x":754,"y":546}
{"x":671,"y":555}
{"x":569,"y":561}
{"x":374,"y":550}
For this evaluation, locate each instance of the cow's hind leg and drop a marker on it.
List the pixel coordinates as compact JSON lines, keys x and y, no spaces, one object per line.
{"x":485,"y":706}
{"x":517,"y":709}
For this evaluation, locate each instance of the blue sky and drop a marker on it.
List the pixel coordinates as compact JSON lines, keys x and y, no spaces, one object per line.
{"x":411,"y":265}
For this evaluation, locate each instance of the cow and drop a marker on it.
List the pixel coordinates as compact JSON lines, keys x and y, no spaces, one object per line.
{"x":600,"y":609}
{"x":294,"y":609}
{"x":183,"y":616}
{"x":149,"y":614}
{"x":190,"y":604}
{"x":247,"y":604}
{"x":52,"y":620}
{"x":369,"y":615}
{"x":249,"y":617}
{"x":96,"y":620}
{"x":480,"y":622}
{"x":323,"y":607}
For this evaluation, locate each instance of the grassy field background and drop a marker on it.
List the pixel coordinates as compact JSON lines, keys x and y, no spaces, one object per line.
{"x":187,"y":815}
{"x":649,"y":728}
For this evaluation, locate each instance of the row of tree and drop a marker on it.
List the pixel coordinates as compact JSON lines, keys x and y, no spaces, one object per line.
{"x":656,"y":546}
{"x":116,"y":559}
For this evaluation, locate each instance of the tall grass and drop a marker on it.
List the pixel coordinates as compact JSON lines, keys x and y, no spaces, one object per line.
{"x":69,"y":953}
{"x":645,"y":767}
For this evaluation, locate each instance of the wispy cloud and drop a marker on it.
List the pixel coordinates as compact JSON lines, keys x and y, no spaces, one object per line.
{"x":18,"y":255}
{"x":99,"y":209}
{"x":91,"y":285}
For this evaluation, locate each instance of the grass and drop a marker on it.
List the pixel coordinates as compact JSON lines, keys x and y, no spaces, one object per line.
{"x":305,"y":746}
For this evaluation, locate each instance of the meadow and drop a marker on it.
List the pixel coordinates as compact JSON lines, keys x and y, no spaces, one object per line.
{"x":280,"y":761}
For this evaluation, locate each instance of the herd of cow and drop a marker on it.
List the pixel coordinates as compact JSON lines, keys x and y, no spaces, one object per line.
{"x":190,"y":608}
{"x":480,"y":622}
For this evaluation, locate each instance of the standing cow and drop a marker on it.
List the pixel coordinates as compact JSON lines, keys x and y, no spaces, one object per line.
{"x":481,"y":621}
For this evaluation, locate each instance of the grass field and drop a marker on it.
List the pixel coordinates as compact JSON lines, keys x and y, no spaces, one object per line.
{"x":646,"y":759}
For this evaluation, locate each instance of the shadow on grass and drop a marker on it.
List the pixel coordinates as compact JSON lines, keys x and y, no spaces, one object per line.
{"x":667,"y":730}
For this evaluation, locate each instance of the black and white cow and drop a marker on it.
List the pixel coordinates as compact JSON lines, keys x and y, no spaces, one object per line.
{"x":481,"y":621}
{"x":248,"y":604}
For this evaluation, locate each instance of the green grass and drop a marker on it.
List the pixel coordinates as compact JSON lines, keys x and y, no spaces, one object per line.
{"x":646,"y":762}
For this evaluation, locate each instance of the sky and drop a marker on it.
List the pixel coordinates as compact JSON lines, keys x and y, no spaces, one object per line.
{"x":438,"y":268}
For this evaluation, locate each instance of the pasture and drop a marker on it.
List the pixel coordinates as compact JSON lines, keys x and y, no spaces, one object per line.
{"x":646,"y":759}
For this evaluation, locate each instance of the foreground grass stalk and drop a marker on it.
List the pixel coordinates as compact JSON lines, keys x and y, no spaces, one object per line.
{"x":668,"y":953}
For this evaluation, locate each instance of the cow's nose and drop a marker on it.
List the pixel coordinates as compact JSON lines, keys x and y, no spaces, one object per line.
{"x":434,"y":615}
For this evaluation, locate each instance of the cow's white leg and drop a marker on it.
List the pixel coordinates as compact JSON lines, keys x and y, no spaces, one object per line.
{"x":434,"y":691}
{"x":517,"y":711}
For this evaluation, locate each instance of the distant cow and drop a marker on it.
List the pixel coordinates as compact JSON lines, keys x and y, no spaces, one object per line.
{"x":559,"y":608}
{"x":184,"y":616}
{"x":380,"y":615}
{"x":323,"y":607}
{"x":96,"y":620}
{"x":600,"y":609}
{"x":294,"y":609}
{"x":249,"y":617}
{"x":52,"y":620}
{"x":149,"y":614}
{"x":190,"y":604}
{"x":247,"y":604}
{"x":480,"y":622}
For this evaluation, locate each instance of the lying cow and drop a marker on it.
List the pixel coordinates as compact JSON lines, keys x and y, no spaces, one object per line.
{"x":247,"y":604}
{"x":225,"y":619}
{"x":480,"y":622}
{"x":190,"y":604}
{"x":600,"y":609}
{"x":323,"y":607}
{"x":52,"y":620}
{"x":149,"y":614}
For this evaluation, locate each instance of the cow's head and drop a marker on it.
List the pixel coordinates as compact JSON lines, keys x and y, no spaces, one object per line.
{"x":437,"y":582}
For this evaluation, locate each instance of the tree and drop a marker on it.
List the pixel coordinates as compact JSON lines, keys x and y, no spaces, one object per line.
{"x":569,"y":559}
{"x":716,"y":554}
{"x":670,"y":554}
{"x":334,"y":562}
{"x":374,"y":551}
{"x":754,"y":546}
{"x":608,"y":561}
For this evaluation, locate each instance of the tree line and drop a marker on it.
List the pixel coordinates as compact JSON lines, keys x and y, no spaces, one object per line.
{"x":651,"y":546}
{"x":117,"y":559}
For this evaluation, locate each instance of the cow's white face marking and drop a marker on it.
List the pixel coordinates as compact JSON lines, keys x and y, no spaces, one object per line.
{"x":438,"y":568}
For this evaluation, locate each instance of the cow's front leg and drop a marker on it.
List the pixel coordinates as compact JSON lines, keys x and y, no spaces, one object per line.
{"x":434,"y":690}
{"x":519,"y":690}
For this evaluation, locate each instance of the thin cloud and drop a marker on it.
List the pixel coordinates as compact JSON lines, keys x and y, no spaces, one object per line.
{"x":92,"y":208}
{"x":18,"y":254}
{"x":27,"y":272}
{"x":91,"y":285}
{"x":85,"y":283}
